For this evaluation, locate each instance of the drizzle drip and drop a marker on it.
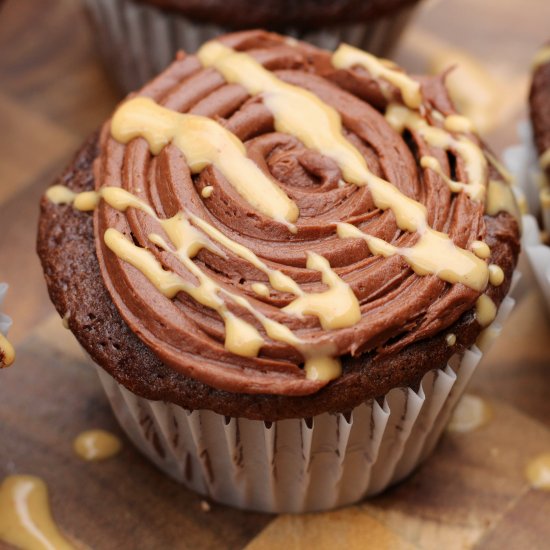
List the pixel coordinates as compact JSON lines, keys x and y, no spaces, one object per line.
{"x":537,"y":472}
{"x":486,"y":310}
{"x":541,"y":58}
{"x":471,"y":413}
{"x":7,"y":352}
{"x":496,"y":275}
{"x":25,"y":518}
{"x":96,"y":445}
{"x":346,"y":57}
{"x":544,"y":160}
{"x":450,"y":339}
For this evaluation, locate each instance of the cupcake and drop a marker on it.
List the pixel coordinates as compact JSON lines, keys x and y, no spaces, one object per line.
{"x":280,"y":260}
{"x":139,"y":38}
{"x":7,"y":353}
{"x":529,"y":163}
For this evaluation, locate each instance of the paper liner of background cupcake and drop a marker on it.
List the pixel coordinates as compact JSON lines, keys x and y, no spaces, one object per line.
{"x":331,"y":459}
{"x":7,"y":353}
{"x":138,"y":39}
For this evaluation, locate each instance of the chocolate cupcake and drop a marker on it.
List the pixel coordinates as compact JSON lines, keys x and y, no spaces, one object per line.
{"x":529,"y":162}
{"x":139,"y":38}
{"x":290,"y":257}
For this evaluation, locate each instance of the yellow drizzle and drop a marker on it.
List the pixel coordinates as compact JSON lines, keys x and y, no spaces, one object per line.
{"x":241,"y":337}
{"x":496,"y":275}
{"x":476,"y":191}
{"x":434,"y":253}
{"x":96,"y":445}
{"x":260,"y":289}
{"x":347,"y":56}
{"x":7,"y":352}
{"x":450,"y":339}
{"x":401,"y":118}
{"x":471,"y":413}
{"x":300,"y":113}
{"x":203,"y":142}
{"x":500,"y":198}
{"x":486,"y":310}
{"x":538,"y":472}
{"x":541,"y":58}
{"x":544,"y":160}
{"x":25,"y":518}
{"x":481,"y":249}
{"x":458,"y":123}
{"x":337,"y":307}
{"x":59,"y":194}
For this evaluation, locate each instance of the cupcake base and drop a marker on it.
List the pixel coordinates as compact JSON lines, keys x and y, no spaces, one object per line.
{"x":138,"y":41}
{"x":299,"y":465}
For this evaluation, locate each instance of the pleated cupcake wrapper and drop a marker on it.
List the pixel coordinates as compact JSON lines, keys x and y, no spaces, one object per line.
{"x":300,"y":465}
{"x":5,"y":321}
{"x":138,"y":41}
{"x":522,"y":161}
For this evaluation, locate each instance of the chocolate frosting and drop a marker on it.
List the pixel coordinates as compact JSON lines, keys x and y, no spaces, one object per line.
{"x":398,"y":307}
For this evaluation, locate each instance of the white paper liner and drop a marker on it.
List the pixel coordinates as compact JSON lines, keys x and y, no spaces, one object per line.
{"x":522,"y":161}
{"x":138,"y":41}
{"x":5,"y":321}
{"x":299,"y":465}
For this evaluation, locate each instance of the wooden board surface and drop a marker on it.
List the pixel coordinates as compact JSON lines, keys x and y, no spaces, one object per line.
{"x":471,"y":494}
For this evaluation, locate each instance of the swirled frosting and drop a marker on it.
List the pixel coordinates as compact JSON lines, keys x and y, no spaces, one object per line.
{"x":266,"y":210}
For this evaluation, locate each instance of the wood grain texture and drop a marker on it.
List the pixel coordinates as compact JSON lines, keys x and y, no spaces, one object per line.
{"x":470,"y":494}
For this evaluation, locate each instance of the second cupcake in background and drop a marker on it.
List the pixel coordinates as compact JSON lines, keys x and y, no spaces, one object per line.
{"x":291,"y":257}
{"x":529,"y":162}
{"x":139,"y":38}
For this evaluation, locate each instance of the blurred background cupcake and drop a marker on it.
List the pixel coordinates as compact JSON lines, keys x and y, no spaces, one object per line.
{"x":529,"y":161}
{"x":138,"y":39}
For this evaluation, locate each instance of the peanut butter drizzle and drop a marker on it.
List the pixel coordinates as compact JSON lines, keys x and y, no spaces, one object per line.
{"x":401,"y":118}
{"x":434,"y":253}
{"x":544,"y":160}
{"x":241,"y":337}
{"x":450,"y":339}
{"x":496,"y":275}
{"x":25,"y":518}
{"x":85,"y":201}
{"x":537,"y":472}
{"x":500,"y":198}
{"x":458,"y":123}
{"x":203,"y":142}
{"x":96,"y":445}
{"x":476,"y":191}
{"x":7,"y":352}
{"x":346,"y":57}
{"x":302,"y":114}
{"x":541,"y":58}
{"x":486,"y":310}
{"x":481,"y":249}
{"x":471,"y":413}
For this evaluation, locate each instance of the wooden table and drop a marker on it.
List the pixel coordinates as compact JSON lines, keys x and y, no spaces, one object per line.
{"x":472,"y":493}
